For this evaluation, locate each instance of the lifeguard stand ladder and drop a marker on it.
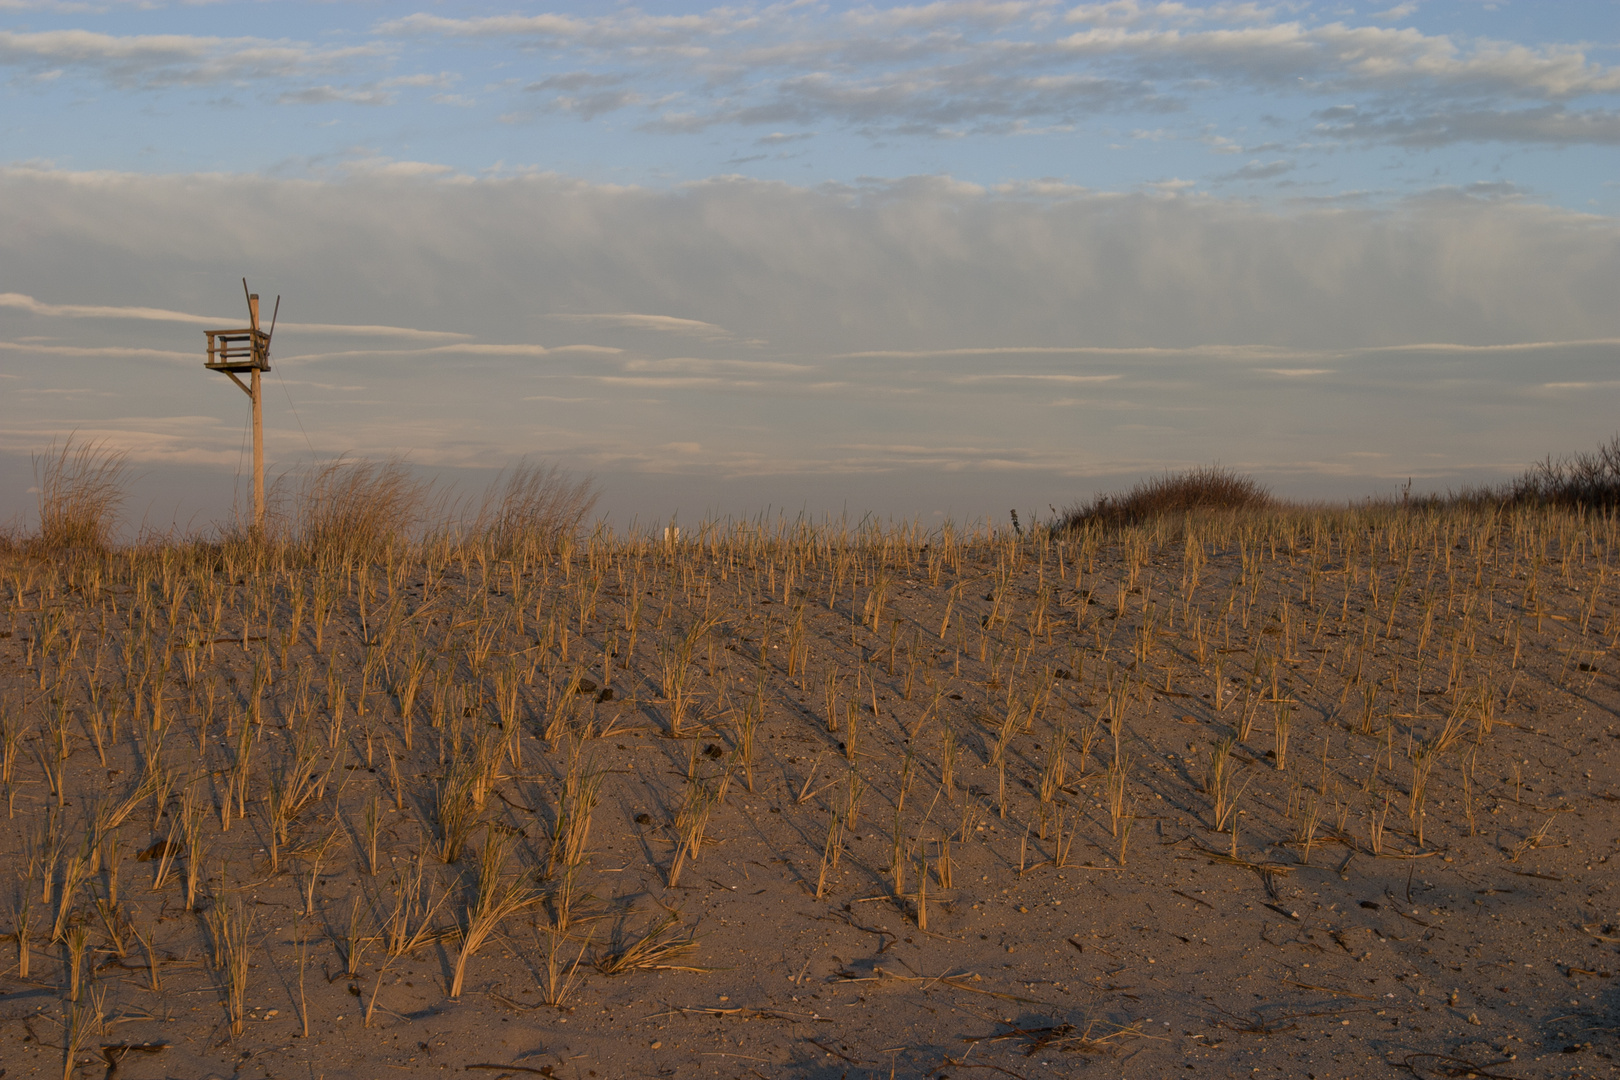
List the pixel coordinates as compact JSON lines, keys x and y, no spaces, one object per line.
{"x":247,"y":350}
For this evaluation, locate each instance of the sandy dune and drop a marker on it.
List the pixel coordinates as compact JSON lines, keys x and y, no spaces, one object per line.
{"x":1315,"y":795}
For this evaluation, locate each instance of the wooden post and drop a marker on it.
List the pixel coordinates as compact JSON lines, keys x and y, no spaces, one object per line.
{"x":258,"y":419}
{"x":258,"y":455}
{"x":236,"y":352}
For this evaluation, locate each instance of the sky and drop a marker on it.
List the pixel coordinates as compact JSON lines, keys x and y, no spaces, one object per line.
{"x":921,"y":261}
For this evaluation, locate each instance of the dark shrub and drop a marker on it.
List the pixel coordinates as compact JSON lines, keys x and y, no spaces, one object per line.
{"x":1586,"y":479}
{"x":1205,"y":488}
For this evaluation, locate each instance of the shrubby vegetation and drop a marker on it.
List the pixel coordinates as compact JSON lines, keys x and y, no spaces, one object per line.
{"x":1587,"y":480}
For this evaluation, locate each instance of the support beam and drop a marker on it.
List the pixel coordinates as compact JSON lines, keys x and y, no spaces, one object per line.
{"x":258,"y":455}
{"x":259,"y":359}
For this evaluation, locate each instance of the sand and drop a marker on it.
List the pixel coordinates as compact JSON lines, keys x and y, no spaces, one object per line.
{"x":1065,"y":895}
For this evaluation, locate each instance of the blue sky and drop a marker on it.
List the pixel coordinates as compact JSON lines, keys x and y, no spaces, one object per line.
{"x":1249,"y":100}
{"x":927,"y":258}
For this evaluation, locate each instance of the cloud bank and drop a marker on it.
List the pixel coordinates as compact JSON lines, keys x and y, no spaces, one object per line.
{"x":742,"y":339}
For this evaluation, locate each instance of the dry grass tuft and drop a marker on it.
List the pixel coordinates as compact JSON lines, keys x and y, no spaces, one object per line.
{"x":653,"y":950}
{"x":351,"y":512}
{"x":529,"y":508}
{"x":496,"y":898}
{"x":81,"y":487}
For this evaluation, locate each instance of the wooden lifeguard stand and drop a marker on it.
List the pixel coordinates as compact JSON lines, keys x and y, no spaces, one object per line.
{"x":247,"y":351}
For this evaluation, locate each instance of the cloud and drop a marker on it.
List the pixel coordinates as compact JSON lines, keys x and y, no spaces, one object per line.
{"x":1548,"y":125}
{"x":945,"y":70}
{"x":1501,"y":347}
{"x":473,"y":349}
{"x":443,"y":80}
{"x":631,"y":29}
{"x":62,"y":6}
{"x":186,"y":440}
{"x":1259,"y":170}
{"x":101,"y":352}
{"x":93,"y":311}
{"x":920,"y":102}
{"x":329,"y":95}
{"x":979,"y":66}
{"x":465,"y":348}
{"x":1024,"y":377}
{"x":1397,"y":13}
{"x":706,"y":365}
{"x":1135,"y":13}
{"x":369,"y":331}
{"x":571,"y":81}
{"x":156,"y":61}
{"x":1339,"y":56}
{"x":1225,"y":351}
{"x":668,"y":324}
{"x":672,"y":382}
{"x":989,"y":13}
{"x":904,"y":267}
{"x":22,"y":302}
{"x":590,"y":106}
{"x":398,"y":170}
{"x":777,"y":325}
{"x":1606,"y":384}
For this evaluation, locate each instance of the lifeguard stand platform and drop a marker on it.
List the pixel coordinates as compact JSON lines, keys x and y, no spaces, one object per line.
{"x":247,"y":351}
